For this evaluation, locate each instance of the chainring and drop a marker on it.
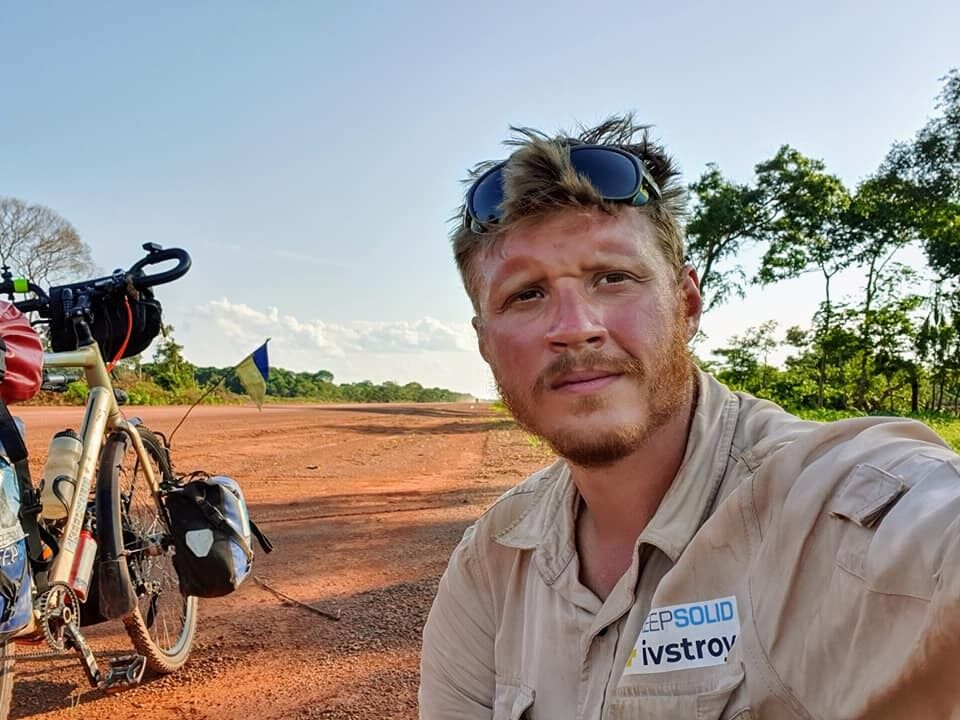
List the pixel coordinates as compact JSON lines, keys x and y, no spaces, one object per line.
{"x":59,"y":607}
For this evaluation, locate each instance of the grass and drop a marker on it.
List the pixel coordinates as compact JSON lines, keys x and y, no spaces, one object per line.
{"x":945,"y":426}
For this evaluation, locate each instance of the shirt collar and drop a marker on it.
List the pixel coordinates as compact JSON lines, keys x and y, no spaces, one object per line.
{"x":690,"y":498}
{"x":548,"y":523}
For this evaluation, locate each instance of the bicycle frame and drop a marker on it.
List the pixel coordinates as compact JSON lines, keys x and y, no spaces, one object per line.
{"x":102,"y":414}
{"x":106,"y":437}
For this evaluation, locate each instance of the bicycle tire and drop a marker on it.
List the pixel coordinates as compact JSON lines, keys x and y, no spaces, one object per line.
{"x":163,"y":624}
{"x":6,"y":680}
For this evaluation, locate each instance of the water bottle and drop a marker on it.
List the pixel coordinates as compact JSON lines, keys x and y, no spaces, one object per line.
{"x":60,"y":475}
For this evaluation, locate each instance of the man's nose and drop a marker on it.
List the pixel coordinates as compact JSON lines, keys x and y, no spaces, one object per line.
{"x":575,"y":322}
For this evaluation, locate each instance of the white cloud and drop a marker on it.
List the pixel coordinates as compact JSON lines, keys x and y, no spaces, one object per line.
{"x":427,"y":351}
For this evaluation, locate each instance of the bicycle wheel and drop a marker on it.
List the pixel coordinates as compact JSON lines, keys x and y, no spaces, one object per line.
{"x":6,"y":679}
{"x":163,"y":624}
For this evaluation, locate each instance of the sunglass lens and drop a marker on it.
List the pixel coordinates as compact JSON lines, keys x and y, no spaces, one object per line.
{"x":612,"y":174}
{"x":487,"y":197}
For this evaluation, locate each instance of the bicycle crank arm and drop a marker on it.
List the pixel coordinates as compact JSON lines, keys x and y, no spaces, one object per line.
{"x":123,"y":672}
{"x":75,"y":638}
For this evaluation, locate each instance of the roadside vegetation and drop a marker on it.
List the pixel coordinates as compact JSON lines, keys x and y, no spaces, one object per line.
{"x":170,"y":379}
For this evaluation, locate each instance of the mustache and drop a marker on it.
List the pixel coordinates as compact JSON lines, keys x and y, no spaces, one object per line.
{"x":592,"y":360}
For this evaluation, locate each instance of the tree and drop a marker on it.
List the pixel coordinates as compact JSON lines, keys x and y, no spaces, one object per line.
{"x":880,"y":225}
{"x":806,"y":226}
{"x":938,"y":344}
{"x":930,"y":167}
{"x":35,"y":242}
{"x":745,"y":358}
{"x":724,"y":216}
{"x":170,"y":370}
{"x":927,"y":174}
{"x":892,"y":341}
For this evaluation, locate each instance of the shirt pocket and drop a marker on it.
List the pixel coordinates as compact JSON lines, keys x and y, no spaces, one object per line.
{"x":512,"y":700}
{"x":896,"y":543}
{"x":694,"y":694}
{"x":864,"y":499}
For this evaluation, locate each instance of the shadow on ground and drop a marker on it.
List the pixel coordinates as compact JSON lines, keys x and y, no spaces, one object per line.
{"x":414,"y":410}
{"x":453,"y":428}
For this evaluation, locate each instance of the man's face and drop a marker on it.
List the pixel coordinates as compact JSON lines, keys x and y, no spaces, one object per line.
{"x":585,"y":326}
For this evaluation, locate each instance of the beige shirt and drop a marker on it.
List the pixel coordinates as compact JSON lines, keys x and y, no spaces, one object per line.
{"x":792,"y":570}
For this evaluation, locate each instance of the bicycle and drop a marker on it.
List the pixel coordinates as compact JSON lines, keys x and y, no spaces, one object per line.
{"x":123,"y":473}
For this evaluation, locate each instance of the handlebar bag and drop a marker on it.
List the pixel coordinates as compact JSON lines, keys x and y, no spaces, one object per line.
{"x":211,"y":534}
{"x":16,"y":603}
{"x":21,"y":355}
{"x":110,"y":321}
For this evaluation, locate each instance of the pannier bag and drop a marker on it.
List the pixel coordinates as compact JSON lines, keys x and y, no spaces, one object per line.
{"x":21,"y":355}
{"x":16,"y":601}
{"x":211,"y":533}
{"x":109,"y":326}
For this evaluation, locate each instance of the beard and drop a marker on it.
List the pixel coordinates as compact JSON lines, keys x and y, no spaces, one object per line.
{"x":667,"y":381}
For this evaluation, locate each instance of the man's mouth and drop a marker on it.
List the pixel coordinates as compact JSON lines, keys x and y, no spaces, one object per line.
{"x":582,"y":381}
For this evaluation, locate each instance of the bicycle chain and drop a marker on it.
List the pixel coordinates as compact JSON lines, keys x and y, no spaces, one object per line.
{"x":38,"y":655}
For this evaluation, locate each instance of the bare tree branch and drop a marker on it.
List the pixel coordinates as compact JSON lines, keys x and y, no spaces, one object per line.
{"x":37,"y":243}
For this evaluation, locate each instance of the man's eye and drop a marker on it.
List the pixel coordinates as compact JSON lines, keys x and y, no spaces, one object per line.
{"x":526,"y":295}
{"x":613,"y":278}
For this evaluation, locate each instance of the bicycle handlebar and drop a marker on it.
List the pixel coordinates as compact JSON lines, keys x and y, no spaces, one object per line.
{"x":155,"y":256}
{"x":102,"y":285}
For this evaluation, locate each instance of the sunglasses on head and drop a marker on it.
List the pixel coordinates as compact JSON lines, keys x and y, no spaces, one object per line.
{"x":617,"y":175}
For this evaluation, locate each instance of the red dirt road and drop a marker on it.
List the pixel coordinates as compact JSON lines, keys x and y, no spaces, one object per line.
{"x":363,"y":504}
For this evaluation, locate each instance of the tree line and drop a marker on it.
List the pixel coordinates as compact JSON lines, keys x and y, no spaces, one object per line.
{"x":893,"y":348}
{"x":172,"y":378}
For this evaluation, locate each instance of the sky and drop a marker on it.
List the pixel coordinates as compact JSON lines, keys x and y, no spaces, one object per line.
{"x":309,"y":155}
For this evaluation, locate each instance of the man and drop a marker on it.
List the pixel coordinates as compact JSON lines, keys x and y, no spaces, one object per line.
{"x":695,"y":552}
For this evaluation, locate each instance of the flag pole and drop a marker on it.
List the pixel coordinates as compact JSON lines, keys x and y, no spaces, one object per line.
{"x":198,"y":401}
{"x":216,"y":385}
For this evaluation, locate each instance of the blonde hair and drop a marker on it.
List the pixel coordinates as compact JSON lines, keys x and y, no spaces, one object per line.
{"x":538,"y":179}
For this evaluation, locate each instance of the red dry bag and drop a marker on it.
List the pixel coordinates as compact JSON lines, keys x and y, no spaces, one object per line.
{"x":21,"y":355}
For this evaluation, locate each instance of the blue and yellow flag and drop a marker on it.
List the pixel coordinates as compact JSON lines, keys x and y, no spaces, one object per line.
{"x":252,"y":372}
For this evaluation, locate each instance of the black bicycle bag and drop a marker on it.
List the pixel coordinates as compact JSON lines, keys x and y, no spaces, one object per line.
{"x":110,"y":320}
{"x":211,"y":530}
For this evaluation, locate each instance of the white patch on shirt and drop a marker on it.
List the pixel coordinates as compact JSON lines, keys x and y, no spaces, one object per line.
{"x":680,"y":637}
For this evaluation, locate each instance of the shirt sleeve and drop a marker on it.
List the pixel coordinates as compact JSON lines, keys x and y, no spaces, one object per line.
{"x":874,"y":629}
{"x":926,"y":684}
{"x":457,"y":676}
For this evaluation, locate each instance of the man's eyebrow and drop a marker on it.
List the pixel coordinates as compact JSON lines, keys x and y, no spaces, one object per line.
{"x":513,"y":267}
{"x":634,"y":263}
{"x":509,"y":280}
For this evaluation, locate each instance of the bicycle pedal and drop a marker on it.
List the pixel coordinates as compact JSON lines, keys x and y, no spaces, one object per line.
{"x":123,"y":673}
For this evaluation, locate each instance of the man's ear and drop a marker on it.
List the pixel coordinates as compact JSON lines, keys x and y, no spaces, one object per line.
{"x":693,"y":302}
{"x":481,"y":343}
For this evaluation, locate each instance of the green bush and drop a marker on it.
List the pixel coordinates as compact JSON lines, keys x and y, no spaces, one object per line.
{"x":147,"y":393}
{"x":76,"y":392}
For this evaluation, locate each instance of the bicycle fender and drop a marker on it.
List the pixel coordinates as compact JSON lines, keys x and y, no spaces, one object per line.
{"x":115,"y":589}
